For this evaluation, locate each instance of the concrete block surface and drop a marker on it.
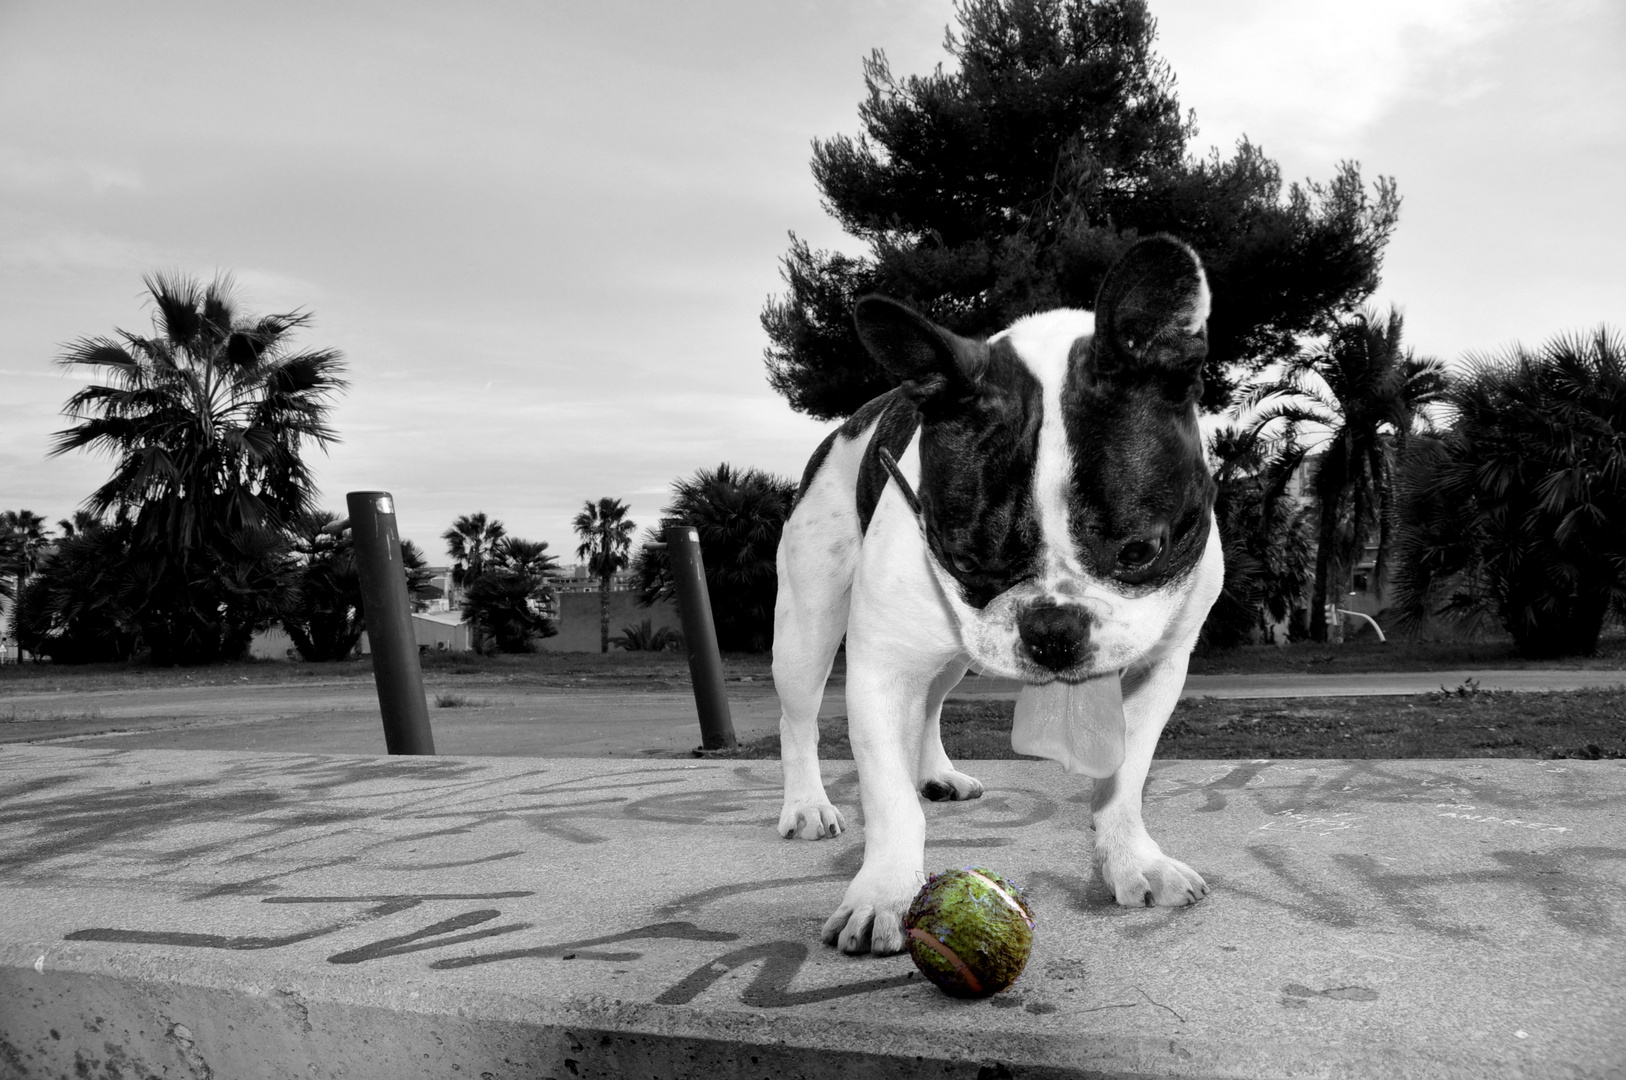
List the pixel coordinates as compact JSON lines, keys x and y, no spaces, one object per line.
{"x":180,"y":914}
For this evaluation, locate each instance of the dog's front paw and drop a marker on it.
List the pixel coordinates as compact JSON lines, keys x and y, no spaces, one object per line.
{"x":950,"y":785}
{"x":1148,"y":878}
{"x":870,"y":918}
{"x":810,"y":821}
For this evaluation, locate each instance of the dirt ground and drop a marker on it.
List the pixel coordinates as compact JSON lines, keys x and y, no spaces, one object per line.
{"x":559,"y":706}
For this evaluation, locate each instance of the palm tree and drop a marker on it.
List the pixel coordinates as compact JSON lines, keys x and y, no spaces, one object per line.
{"x":206,"y":421}
{"x":528,"y":557}
{"x":1263,"y":534}
{"x":1351,"y":405}
{"x":8,"y":559}
{"x":739,"y":515}
{"x":82,"y":522}
{"x":469,"y":542}
{"x":606,"y":537}
{"x":79,"y":607}
{"x":323,"y":614}
{"x":1517,"y":509}
{"x":23,"y":539}
{"x":324,"y":617}
{"x":507,"y":604}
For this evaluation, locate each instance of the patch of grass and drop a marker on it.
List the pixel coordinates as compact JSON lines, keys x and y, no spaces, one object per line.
{"x":456,"y":701}
{"x":1397,"y":654}
{"x":1464,"y":723}
{"x":615,"y":670}
{"x":14,"y":715}
{"x":637,"y":671}
{"x":48,"y":677}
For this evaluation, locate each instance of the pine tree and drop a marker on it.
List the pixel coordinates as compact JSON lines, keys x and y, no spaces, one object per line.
{"x":1010,"y":183}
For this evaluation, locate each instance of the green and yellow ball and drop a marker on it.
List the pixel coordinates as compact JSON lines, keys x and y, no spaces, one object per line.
{"x":970,"y":931}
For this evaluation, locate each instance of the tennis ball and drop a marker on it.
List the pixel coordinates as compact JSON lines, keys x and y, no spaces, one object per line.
{"x":969,"y":931}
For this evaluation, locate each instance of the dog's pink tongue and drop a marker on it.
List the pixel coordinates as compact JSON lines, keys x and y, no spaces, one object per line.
{"x":1080,"y":725}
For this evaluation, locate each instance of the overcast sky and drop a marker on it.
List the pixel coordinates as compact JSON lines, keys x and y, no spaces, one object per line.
{"x":542,"y":232}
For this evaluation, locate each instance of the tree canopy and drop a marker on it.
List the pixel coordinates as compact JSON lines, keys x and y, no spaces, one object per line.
{"x":1517,"y":510}
{"x":23,"y":536}
{"x":739,"y":515}
{"x":470,"y":541}
{"x":1357,"y":399}
{"x":606,"y":535}
{"x":207,"y":421}
{"x":1010,"y":182}
{"x":506,"y":604}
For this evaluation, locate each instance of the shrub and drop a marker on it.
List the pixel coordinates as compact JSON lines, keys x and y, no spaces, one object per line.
{"x":1518,"y":510}
{"x":645,"y":638}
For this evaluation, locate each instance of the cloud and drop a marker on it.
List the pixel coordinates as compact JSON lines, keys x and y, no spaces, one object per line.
{"x":23,"y":168}
{"x":69,"y":251}
{"x":1312,"y":77}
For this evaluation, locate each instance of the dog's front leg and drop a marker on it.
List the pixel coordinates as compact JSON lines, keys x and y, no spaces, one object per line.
{"x":901,"y":643}
{"x":886,"y":721}
{"x":1131,"y":862}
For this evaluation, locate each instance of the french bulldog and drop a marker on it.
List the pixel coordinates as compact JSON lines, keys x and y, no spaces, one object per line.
{"x":1038,"y":505}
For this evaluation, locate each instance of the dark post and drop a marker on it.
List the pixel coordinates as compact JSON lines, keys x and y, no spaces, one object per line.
{"x":700,"y":637}
{"x":389,"y":623}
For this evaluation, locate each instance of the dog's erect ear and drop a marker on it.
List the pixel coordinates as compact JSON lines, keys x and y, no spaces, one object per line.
{"x":1151,"y":316}
{"x":927,"y":358}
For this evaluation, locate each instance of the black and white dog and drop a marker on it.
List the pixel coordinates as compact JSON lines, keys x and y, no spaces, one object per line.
{"x":1038,"y":505}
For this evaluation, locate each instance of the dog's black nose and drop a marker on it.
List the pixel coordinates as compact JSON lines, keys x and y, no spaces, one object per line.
{"x":1056,"y":637}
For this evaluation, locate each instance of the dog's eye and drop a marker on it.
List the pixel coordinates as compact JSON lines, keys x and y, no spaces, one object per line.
{"x":1141,"y":553}
{"x":965,"y":564}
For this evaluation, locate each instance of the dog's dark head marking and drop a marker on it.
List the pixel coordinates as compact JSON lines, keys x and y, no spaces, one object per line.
{"x":1151,"y":326}
{"x":1129,"y":401}
{"x":979,"y":408}
{"x":1133,"y":490}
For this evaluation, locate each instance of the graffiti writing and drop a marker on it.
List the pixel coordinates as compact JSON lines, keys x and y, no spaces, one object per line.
{"x":782,"y":961}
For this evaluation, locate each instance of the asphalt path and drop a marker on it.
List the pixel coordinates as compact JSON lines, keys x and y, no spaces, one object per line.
{"x":343,"y":717}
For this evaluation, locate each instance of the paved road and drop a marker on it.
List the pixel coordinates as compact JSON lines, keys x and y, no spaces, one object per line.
{"x":342,"y":716}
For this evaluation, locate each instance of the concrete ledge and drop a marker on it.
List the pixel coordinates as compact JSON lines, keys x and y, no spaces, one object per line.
{"x":246,"y":915}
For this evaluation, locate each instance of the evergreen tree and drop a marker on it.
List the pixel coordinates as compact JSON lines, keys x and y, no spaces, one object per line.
{"x":1267,"y":540}
{"x":1364,"y":392}
{"x":77,"y":608}
{"x":23,"y":539}
{"x":1517,"y":511}
{"x":506,"y":605}
{"x":606,"y":534}
{"x":1010,"y":183}
{"x":470,"y":542}
{"x":739,"y":515}
{"x":207,"y":421}
{"x":321,"y":611}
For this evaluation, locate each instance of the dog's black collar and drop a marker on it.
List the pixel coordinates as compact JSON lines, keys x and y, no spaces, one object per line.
{"x":891,"y":464}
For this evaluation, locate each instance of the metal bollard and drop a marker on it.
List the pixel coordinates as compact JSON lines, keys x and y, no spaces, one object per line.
{"x":700,"y":636}
{"x":389,"y":623}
